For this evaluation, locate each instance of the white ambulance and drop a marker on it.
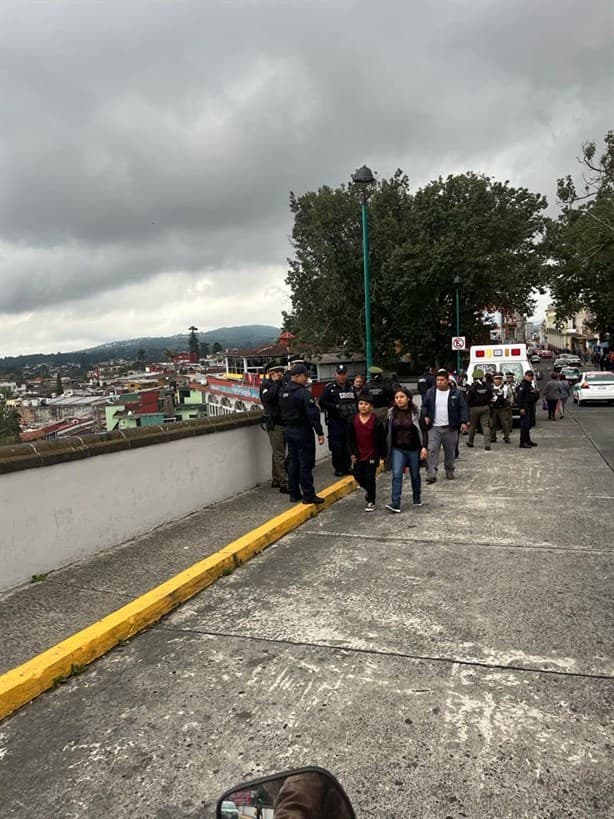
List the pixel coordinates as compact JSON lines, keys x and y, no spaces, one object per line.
{"x":502,"y":358}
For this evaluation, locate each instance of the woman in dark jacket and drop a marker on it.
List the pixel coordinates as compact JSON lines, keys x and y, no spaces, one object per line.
{"x":407,"y":446}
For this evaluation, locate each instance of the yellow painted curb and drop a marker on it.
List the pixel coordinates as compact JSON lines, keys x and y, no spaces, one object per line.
{"x":25,"y":682}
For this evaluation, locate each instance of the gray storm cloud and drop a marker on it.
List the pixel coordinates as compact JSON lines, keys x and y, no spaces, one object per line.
{"x":166,"y":138}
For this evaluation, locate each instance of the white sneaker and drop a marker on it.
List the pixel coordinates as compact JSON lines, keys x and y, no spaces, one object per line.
{"x":370,"y":507}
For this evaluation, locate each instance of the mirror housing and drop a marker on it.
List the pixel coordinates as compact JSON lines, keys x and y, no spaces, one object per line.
{"x":301,"y":793}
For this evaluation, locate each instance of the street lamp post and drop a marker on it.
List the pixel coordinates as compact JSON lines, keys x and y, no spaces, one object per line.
{"x":364,"y":178}
{"x":457,"y":284}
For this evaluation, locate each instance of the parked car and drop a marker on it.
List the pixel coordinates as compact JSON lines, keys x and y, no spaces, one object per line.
{"x":594,"y":386}
{"x":572,"y":374}
{"x":559,"y":363}
{"x":546,"y":354}
{"x":535,"y":359}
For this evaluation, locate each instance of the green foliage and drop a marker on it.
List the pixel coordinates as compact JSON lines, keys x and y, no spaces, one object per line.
{"x":59,"y":389}
{"x":581,"y":241}
{"x":217,"y":347}
{"x":9,"y":426}
{"x":484,"y":231}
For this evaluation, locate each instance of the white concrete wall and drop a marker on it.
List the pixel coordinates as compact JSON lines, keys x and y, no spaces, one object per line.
{"x":54,"y":515}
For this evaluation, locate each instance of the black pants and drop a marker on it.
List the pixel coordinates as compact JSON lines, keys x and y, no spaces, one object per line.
{"x":552,"y":402}
{"x":337,"y":443}
{"x":364,"y":472}
{"x":525,"y":428}
{"x":301,"y":461}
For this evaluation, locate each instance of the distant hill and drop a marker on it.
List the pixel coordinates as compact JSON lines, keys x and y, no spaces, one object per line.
{"x":243,"y":337}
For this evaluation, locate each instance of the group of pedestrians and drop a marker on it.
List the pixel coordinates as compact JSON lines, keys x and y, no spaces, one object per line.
{"x":377,"y":420}
{"x":556,"y":394}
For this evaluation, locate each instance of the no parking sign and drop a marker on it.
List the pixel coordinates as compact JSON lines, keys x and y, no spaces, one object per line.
{"x":458,"y":342}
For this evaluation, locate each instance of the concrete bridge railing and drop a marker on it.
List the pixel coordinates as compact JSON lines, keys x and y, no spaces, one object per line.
{"x":65,"y":500}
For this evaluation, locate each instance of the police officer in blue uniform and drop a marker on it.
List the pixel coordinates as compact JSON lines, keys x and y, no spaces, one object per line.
{"x":301,"y":417}
{"x":340,"y":403}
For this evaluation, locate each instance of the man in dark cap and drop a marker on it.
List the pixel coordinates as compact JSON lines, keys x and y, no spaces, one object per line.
{"x":501,"y":409}
{"x":271,"y":421}
{"x":301,"y":417}
{"x":479,"y":398}
{"x":426,"y":381}
{"x":339,"y":402}
{"x":526,"y":396}
{"x":380,"y":391}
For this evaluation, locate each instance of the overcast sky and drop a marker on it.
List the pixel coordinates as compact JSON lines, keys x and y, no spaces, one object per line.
{"x":148,"y":148}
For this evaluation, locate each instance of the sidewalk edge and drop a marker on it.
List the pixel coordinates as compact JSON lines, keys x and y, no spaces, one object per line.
{"x":27,"y":681}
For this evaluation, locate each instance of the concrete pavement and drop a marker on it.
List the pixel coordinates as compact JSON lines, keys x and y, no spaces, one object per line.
{"x":454,"y":660}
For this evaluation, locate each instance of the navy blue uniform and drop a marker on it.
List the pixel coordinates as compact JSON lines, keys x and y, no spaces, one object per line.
{"x":301,"y":417}
{"x":340,"y":403}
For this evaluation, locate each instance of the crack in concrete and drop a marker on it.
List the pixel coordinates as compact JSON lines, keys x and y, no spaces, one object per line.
{"x":503,"y":544}
{"x":380,"y":653}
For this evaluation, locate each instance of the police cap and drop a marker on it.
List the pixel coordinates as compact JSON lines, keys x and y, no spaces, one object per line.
{"x":273,"y":368}
{"x":299,"y":369}
{"x":341,"y":368}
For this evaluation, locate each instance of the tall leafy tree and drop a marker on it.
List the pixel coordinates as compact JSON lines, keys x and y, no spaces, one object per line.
{"x":59,"y":389}
{"x":581,"y":240}
{"x":471,"y":226}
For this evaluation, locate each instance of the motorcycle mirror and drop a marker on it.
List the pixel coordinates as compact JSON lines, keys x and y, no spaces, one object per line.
{"x":301,"y":793}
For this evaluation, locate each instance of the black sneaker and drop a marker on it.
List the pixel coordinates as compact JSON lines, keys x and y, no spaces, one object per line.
{"x":391,"y":508}
{"x":316,"y":499}
{"x":450,"y":475}
{"x":339,"y":474}
{"x":431,"y":480}
{"x":284,"y":490}
{"x":468,"y":444}
{"x":532,"y":443}
{"x":295,"y":498}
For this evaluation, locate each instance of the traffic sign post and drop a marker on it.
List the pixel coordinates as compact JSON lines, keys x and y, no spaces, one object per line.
{"x":458,"y":344}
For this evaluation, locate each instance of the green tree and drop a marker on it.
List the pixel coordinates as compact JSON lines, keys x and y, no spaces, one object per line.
{"x":486,"y":232}
{"x":217,"y":348}
{"x":9,"y":425}
{"x":140,"y":357}
{"x":204,"y":349}
{"x":581,"y":240}
{"x":194,"y":345}
{"x":59,"y":389}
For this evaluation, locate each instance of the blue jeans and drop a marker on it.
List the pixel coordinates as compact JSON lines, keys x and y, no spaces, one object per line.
{"x":399,"y":459}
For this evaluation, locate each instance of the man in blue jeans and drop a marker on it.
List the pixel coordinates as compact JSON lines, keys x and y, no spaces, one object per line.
{"x":444,"y":410}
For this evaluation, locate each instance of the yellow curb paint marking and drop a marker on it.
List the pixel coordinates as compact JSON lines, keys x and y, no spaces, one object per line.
{"x":25,"y":682}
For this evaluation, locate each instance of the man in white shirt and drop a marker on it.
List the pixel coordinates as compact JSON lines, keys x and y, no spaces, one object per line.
{"x":445,"y":412}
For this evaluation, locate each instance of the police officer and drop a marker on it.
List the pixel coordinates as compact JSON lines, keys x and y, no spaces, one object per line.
{"x":339,"y":401}
{"x":380,"y":392}
{"x":501,"y":409}
{"x":271,"y":422}
{"x":426,"y":381}
{"x":301,"y":417}
{"x":527,"y":396}
{"x":479,"y":398}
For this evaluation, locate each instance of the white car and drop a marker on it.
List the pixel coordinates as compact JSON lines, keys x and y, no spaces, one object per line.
{"x":229,"y":810}
{"x":594,"y":386}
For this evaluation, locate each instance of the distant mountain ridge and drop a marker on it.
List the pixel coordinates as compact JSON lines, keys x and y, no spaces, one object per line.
{"x":242,"y":337}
